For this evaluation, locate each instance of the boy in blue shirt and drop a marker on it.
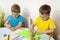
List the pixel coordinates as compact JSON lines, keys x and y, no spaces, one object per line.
{"x":14,"y":21}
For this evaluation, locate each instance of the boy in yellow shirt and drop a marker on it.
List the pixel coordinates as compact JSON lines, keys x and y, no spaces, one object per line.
{"x":44,"y":23}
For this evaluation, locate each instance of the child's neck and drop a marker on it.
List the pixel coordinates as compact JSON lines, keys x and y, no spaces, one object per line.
{"x":15,"y":16}
{"x":45,"y":19}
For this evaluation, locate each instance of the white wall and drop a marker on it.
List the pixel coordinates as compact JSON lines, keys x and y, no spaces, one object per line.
{"x":33,"y":7}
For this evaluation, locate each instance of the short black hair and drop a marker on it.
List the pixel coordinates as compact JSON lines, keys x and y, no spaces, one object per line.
{"x":15,"y":8}
{"x":45,"y":9}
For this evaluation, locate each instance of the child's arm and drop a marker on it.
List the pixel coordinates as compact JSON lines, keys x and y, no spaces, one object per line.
{"x":8,"y":26}
{"x":31,"y":30}
{"x":19,"y":25}
{"x":46,"y":32}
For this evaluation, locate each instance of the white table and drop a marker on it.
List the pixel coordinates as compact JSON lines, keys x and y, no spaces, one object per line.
{"x":7,"y":31}
{"x":12,"y":33}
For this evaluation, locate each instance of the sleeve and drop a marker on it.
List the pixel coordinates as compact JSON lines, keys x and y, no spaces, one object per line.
{"x":52,"y":25}
{"x":36,"y":21}
{"x":21,"y":19}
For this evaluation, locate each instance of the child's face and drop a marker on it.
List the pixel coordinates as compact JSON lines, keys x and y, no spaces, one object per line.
{"x":15,"y":14}
{"x":44,"y":16}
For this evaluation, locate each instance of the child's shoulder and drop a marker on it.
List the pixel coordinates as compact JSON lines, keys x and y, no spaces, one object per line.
{"x":20,"y":16}
{"x":38,"y":17}
{"x":51,"y":19}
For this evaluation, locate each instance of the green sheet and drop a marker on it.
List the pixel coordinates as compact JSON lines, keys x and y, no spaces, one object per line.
{"x":26,"y":34}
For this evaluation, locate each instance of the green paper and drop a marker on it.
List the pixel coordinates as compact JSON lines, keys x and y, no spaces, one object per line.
{"x":25,"y":33}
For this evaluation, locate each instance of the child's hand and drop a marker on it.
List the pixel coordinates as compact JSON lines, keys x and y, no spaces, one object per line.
{"x":31,"y":30}
{"x":37,"y":32}
{"x":12,"y":29}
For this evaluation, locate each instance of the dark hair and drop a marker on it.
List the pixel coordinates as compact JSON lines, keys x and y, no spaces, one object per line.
{"x":15,"y":8}
{"x":45,"y":9}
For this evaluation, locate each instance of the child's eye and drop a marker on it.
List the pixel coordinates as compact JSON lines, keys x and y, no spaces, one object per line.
{"x":41,"y":13}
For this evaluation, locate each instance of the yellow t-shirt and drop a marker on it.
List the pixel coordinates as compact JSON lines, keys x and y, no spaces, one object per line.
{"x":44,"y":25}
